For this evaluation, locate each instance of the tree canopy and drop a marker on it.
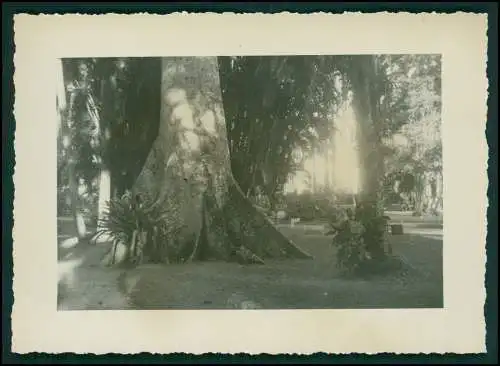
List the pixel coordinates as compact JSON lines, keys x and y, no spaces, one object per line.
{"x":274,"y":105}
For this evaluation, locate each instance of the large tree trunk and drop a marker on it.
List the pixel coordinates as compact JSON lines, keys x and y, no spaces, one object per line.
{"x":61,"y":95}
{"x":370,"y":199}
{"x":327,"y":167}
{"x":188,"y":171}
{"x":420,"y":184}
{"x":105,"y":176}
{"x":65,"y":131}
{"x":314,"y":178}
{"x":76,"y":211}
{"x":427,"y":193}
{"x":439,"y":192}
{"x":105,"y":180}
{"x":104,"y":193}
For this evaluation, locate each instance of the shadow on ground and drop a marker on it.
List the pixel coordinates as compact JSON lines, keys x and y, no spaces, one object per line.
{"x":287,"y":284}
{"x":83,"y":283}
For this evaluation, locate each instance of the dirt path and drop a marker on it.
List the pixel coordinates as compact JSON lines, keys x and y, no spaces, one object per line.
{"x":84,"y":284}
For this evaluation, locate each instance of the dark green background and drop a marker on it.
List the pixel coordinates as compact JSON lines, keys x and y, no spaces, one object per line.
{"x":8,"y":163}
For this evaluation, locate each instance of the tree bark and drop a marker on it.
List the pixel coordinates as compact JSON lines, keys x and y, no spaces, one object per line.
{"x":419,"y":192}
{"x":65,"y":130}
{"x":370,"y":197}
{"x":439,"y":192}
{"x":105,"y":175}
{"x":188,"y":170}
{"x":327,"y":167}
{"x":105,"y":134}
{"x":104,"y":192}
{"x":314,"y":179}
{"x":78,"y":217}
{"x":61,"y":95}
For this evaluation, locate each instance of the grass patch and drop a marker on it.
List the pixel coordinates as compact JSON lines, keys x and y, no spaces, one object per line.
{"x":289,"y":284}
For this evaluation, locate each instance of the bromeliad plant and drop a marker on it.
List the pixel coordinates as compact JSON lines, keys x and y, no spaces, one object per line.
{"x":144,"y":228}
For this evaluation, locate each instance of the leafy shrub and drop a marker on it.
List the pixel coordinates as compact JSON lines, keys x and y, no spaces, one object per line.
{"x":308,"y":206}
{"x":263,"y":204}
{"x":376,"y":228}
{"x":63,"y":201}
{"x":87,"y":201}
{"x":351,"y":246}
{"x":145,"y":228}
{"x":349,"y":240}
{"x":299,"y":206}
{"x":360,"y":238}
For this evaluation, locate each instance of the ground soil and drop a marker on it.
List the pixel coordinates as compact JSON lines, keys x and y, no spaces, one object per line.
{"x":286,"y":284}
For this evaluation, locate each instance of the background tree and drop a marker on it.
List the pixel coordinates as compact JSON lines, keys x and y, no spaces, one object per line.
{"x":77,"y":138}
{"x":273,"y":106}
{"x":107,"y":130}
{"x":367,"y":82}
{"x":414,"y":120}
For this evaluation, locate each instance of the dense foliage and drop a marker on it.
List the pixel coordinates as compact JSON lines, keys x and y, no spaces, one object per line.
{"x":274,"y":107}
{"x":146,"y":230}
{"x":316,"y":206}
{"x":110,"y":121}
{"x":360,"y":238}
{"x":414,"y":164}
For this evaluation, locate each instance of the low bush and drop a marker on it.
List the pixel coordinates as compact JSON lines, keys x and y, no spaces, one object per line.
{"x":309,"y":207}
{"x":350,"y":244}
{"x":360,"y":237}
{"x":146,"y":229}
{"x":86,"y":205}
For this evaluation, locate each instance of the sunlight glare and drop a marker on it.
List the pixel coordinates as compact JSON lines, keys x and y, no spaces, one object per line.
{"x":69,"y":243}
{"x":336,"y":166}
{"x":345,"y":155}
{"x":66,"y":269}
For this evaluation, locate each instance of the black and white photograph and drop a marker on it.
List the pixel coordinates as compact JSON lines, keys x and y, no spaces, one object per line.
{"x":257,"y":183}
{"x":273,"y":182}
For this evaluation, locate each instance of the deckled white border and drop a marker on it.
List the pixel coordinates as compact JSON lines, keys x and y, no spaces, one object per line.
{"x":460,"y":327}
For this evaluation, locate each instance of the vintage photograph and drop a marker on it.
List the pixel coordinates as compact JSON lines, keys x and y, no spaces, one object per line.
{"x":296,"y":166}
{"x":250,"y":182}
